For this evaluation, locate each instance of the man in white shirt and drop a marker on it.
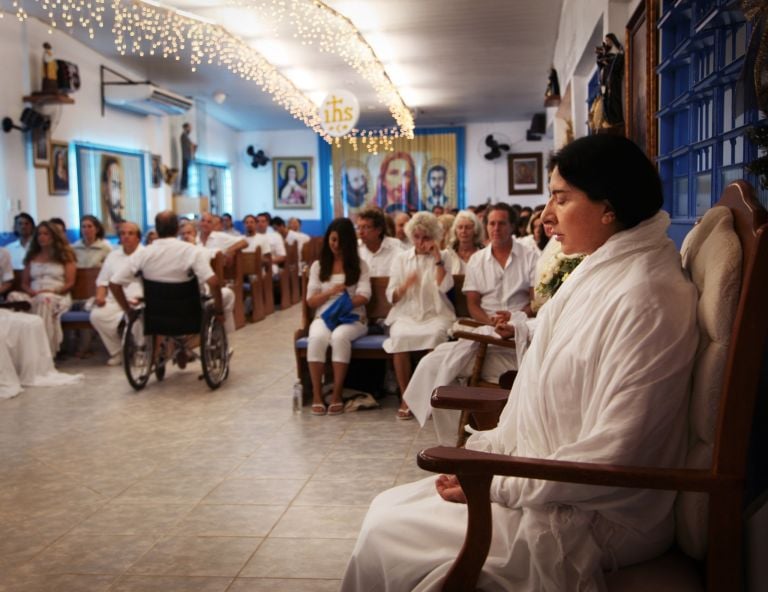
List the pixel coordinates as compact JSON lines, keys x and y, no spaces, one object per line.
{"x":106,"y":313}
{"x":276,"y":244}
{"x":289,"y":236}
{"x":226,"y":225}
{"x":213,"y":239}
{"x":375,"y":248}
{"x":23,"y":227}
{"x":401,"y":219}
{"x":499,"y":280}
{"x":169,"y":260}
{"x":6,"y":272}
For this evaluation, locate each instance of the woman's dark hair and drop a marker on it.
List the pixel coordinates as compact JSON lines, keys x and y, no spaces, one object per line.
{"x":348,"y":247}
{"x":614,"y":169}
{"x":96,"y":222}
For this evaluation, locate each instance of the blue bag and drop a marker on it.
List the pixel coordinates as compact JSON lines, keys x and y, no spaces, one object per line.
{"x":340,"y":312}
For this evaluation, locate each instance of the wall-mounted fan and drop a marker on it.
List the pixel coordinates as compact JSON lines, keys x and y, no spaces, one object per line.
{"x":497,"y":147}
{"x":258,"y":158}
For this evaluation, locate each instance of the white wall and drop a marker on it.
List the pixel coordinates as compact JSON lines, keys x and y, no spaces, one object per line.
{"x":256,"y":187}
{"x":25,"y":188}
{"x":489,"y":179}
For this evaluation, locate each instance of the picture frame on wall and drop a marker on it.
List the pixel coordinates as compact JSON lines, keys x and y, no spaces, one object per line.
{"x":111,"y":185}
{"x":41,"y":149}
{"x":156,"y":170}
{"x":293,"y":182}
{"x":58,"y":168}
{"x":525,"y":173}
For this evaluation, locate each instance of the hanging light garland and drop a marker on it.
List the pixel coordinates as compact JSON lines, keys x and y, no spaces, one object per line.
{"x":146,"y":28}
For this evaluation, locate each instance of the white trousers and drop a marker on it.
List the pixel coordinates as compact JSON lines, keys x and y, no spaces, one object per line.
{"x":105,"y":319}
{"x":441,"y":367}
{"x":340,"y":340}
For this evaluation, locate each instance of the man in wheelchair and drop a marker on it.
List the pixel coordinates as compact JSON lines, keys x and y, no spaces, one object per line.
{"x":172,"y":302}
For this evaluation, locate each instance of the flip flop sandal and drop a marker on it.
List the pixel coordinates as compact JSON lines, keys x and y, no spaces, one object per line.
{"x":318,"y":409}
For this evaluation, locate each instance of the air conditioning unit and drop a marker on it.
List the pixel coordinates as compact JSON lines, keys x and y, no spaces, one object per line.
{"x":146,"y":99}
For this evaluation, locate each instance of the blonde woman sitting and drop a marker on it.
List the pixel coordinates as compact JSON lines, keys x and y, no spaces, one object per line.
{"x":422,"y":314}
{"x":465,"y":238}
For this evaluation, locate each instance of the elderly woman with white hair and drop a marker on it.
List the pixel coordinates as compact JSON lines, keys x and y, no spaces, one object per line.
{"x":464,"y":240}
{"x":421,"y":314}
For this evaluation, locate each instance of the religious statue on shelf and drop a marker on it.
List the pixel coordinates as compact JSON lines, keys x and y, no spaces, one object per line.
{"x":552,"y":94}
{"x":50,"y":71}
{"x":610,"y":62}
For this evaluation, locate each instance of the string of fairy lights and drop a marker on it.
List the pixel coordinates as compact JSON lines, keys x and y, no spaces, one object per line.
{"x":143,"y":27}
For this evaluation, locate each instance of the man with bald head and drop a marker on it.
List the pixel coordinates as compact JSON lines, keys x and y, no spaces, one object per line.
{"x":214,"y":239}
{"x":106,"y":313}
{"x":168,"y":260}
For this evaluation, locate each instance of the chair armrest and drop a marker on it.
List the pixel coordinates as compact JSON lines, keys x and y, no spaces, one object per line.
{"x":488,"y":339}
{"x":468,"y":322}
{"x":460,"y":461}
{"x":470,"y":398}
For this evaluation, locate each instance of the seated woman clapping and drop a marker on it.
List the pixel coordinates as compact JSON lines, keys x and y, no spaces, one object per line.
{"x":422,"y":314}
{"x":338,"y":289}
{"x":48,"y":277}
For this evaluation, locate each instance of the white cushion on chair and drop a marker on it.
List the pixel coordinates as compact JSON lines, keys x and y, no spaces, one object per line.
{"x":712,"y":257}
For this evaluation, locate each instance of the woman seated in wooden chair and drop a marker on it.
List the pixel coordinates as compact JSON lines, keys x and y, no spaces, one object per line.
{"x":605,"y":380}
{"x":339,"y":274}
{"x":421,"y":314}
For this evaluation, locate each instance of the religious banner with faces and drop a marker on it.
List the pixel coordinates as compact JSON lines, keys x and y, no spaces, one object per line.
{"x":416,"y":174}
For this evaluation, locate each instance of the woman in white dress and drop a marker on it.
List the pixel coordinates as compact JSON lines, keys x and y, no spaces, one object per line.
{"x":464,"y":240}
{"x":604,"y":380}
{"x":338,"y":270}
{"x":421,"y":314}
{"x":48,"y":277}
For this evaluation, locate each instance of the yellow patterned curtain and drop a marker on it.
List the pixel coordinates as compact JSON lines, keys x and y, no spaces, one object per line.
{"x":756,"y":12}
{"x":416,"y":174}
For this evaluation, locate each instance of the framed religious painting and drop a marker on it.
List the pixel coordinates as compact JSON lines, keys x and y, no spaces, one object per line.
{"x":58,"y":168}
{"x":292,"y":182}
{"x":525,"y":173}
{"x":640,"y":83}
{"x":111,"y":185}
{"x":41,"y":149}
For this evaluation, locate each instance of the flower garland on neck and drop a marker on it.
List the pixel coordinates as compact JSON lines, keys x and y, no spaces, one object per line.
{"x":556,"y":272}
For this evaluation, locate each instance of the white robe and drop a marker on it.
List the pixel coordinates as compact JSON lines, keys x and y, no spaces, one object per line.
{"x":604,"y":380}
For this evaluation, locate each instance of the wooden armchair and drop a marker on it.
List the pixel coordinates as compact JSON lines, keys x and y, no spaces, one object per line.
{"x":253,"y":283}
{"x":730,"y":355}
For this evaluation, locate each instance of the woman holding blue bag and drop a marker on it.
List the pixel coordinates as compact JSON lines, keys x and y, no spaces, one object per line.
{"x":339,"y":288}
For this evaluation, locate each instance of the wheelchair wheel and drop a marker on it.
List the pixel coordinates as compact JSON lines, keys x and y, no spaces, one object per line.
{"x":137,"y":353}
{"x":214,"y":351}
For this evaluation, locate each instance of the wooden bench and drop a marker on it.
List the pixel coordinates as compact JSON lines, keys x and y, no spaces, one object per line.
{"x":367,"y":347}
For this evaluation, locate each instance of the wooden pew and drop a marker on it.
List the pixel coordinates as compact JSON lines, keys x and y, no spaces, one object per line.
{"x":253,"y":283}
{"x":84,"y":288}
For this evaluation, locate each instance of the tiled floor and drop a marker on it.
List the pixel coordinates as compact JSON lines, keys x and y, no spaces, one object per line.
{"x":178,"y":488}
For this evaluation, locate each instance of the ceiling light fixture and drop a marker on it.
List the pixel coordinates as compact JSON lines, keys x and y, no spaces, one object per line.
{"x":148,"y":28}
{"x":219,"y":97}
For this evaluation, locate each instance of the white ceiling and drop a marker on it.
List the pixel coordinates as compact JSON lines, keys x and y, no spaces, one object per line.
{"x":453,"y":61}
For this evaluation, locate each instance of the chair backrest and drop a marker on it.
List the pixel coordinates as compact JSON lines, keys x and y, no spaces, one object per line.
{"x":85,"y":283}
{"x":172,"y":308}
{"x":251,"y":263}
{"x":726,"y":255}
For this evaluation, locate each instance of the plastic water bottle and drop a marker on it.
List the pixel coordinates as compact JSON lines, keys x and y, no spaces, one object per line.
{"x":298,"y":392}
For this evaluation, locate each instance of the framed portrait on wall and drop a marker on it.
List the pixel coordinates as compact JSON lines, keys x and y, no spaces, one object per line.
{"x":640,"y":82}
{"x":293,"y":182}
{"x":156,"y":170}
{"x":41,"y":149}
{"x":58,"y":168}
{"x":525,"y":174}
{"x":111,"y":185}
